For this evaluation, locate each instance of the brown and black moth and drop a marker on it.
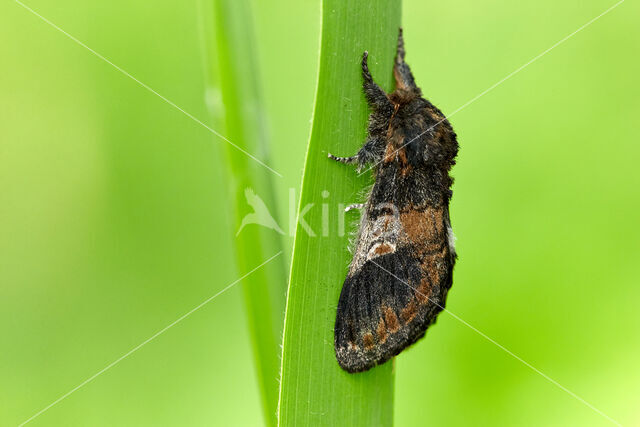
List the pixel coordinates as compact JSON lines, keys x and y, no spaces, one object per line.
{"x":404,"y":253}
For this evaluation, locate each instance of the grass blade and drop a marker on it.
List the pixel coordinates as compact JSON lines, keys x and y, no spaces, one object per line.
{"x":234,"y":63}
{"x":314,"y":390}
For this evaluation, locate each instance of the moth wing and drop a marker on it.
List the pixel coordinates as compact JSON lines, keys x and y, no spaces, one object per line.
{"x":387,"y":305}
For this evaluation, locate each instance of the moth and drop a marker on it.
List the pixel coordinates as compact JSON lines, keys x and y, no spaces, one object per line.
{"x":402,"y":266}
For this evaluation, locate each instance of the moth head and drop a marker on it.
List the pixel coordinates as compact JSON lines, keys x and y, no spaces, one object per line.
{"x":403,"y":96}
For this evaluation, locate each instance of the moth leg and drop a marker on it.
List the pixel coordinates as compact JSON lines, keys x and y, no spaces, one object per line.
{"x":371,"y":151}
{"x":354,"y":206}
{"x":401,"y":71}
{"x":346,"y":160}
{"x":376,"y":97}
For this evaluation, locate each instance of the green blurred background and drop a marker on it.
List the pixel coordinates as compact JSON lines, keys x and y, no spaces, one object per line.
{"x":113,"y":220}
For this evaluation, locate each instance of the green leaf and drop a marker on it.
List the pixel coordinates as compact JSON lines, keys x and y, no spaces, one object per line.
{"x":234,"y":74}
{"x":314,"y":390}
